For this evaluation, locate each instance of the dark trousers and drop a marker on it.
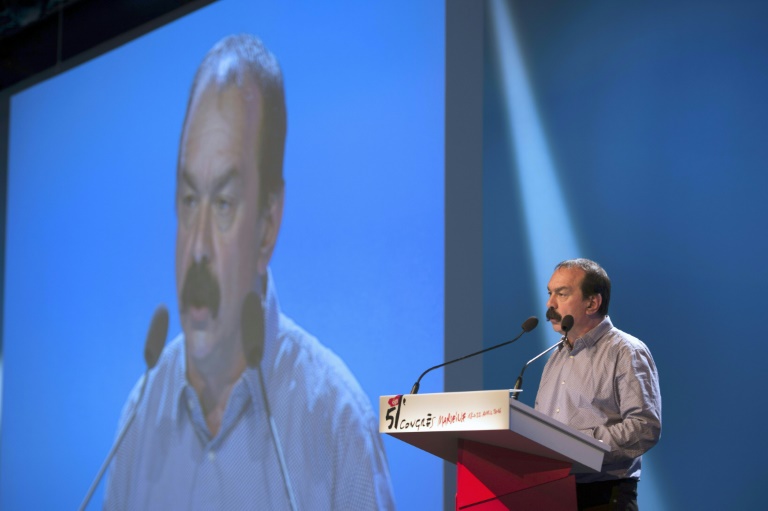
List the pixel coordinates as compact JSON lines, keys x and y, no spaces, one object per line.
{"x":617,"y":495}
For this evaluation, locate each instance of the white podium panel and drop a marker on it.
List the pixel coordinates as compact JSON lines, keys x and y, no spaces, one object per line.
{"x":436,"y":422}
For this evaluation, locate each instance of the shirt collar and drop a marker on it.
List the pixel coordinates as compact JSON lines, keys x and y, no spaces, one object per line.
{"x":272,"y":343}
{"x":244,"y":393}
{"x":178,"y":377}
{"x":590,"y":338}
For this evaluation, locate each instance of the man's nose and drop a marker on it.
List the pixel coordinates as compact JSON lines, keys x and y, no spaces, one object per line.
{"x":202,"y":244}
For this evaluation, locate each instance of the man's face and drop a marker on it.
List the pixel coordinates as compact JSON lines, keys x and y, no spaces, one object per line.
{"x":220,"y":231}
{"x":565,"y":297}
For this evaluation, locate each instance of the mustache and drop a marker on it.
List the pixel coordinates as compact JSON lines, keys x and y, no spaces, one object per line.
{"x":201,"y":289}
{"x":552,"y":314}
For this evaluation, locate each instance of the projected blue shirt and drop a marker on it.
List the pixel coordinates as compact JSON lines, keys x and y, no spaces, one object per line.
{"x":333,"y":451}
{"x":607,"y":386}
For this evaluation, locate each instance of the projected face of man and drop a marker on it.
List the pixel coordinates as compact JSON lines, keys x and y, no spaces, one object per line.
{"x":225,"y":237}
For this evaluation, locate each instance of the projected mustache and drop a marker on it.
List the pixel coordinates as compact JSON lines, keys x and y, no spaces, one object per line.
{"x":553,"y":315}
{"x":200,"y":290}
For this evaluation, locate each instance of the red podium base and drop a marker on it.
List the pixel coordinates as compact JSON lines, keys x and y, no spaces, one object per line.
{"x":492,"y":478}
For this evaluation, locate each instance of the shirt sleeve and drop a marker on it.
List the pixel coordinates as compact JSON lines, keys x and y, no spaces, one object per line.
{"x":638,"y":428}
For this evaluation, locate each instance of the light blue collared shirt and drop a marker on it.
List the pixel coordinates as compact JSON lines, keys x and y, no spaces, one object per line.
{"x":607,"y":386}
{"x":333,"y":451}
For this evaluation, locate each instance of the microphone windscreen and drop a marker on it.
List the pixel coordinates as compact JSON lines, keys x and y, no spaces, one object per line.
{"x":530,"y":323}
{"x":252,"y":329}
{"x":158,"y":330}
{"x":567,"y":323}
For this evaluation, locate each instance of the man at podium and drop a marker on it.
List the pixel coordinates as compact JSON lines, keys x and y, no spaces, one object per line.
{"x":602,"y":382}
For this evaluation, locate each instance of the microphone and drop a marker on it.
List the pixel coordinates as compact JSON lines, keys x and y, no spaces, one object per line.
{"x":252,"y":322}
{"x":566,"y":324}
{"x":528,"y":325}
{"x":253,"y":333}
{"x":158,"y":331}
{"x":153,"y":347}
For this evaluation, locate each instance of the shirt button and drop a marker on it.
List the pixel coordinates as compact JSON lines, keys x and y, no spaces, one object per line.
{"x":562,"y":383}
{"x":557,"y":410}
{"x":211,"y":455}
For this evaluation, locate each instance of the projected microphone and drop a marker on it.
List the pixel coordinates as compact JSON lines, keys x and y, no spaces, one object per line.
{"x":253,"y":346}
{"x":153,"y":347}
{"x":565,"y":324}
{"x":528,"y":325}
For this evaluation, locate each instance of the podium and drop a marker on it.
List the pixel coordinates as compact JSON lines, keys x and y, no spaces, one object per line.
{"x":508,"y":455}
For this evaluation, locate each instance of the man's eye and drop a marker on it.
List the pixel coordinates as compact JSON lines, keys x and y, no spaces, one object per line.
{"x":223,"y":205}
{"x":189,"y":201}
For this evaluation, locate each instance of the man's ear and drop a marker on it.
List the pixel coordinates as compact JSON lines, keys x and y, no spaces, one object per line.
{"x":595,"y":301}
{"x":272,"y":217}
